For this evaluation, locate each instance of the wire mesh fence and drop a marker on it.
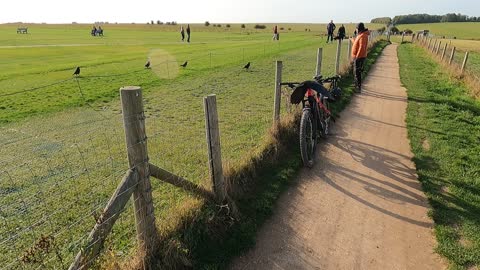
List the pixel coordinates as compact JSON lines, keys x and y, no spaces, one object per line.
{"x":61,"y":167}
{"x":463,"y":62}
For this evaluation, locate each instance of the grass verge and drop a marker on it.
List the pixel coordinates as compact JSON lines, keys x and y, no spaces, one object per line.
{"x":209,"y":237}
{"x":444,"y":130}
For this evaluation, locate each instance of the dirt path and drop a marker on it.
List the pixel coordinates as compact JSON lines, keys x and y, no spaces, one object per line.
{"x":362,"y":206}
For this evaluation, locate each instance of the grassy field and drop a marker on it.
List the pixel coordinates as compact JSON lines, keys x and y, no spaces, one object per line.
{"x":444,"y":130}
{"x":106,"y":61}
{"x":460,"y":30}
{"x":62,"y":144}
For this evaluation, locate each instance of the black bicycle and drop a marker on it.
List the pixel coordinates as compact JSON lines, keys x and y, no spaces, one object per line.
{"x":316,"y":114}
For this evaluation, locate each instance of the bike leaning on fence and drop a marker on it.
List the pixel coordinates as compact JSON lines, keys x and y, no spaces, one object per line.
{"x":316,"y":114}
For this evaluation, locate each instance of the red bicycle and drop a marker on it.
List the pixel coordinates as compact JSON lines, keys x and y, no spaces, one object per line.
{"x":316,"y":113}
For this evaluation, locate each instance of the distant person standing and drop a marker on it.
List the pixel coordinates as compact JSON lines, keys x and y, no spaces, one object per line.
{"x":355,"y":33}
{"x":330,"y":28}
{"x":341,"y":32}
{"x":182,"y":32}
{"x":275,"y":33}
{"x":188,"y":33}
{"x":359,"y":54}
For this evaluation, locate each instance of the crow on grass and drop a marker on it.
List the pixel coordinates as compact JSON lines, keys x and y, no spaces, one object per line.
{"x":77,"y":71}
{"x":247,"y":66}
{"x":184,"y":65}
{"x":147,"y":65}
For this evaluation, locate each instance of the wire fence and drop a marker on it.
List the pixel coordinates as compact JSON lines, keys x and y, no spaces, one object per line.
{"x":60,"y":168}
{"x":462,"y":62}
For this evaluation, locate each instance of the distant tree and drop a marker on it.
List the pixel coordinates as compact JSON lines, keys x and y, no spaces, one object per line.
{"x":427,"y":18}
{"x":148,"y":22}
{"x":281,"y":28}
{"x":259,"y":26}
{"x":289,"y":29}
{"x":243,"y":25}
{"x":228,"y":25}
{"x":219,"y":25}
{"x":151,"y":22}
{"x":382,"y":20}
{"x":207,"y":23}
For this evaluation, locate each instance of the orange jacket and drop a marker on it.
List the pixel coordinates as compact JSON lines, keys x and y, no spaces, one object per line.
{"x":359,"y":49}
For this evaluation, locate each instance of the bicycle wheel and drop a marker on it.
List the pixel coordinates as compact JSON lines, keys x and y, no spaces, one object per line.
{"x":325,"y":120}
{"x":308,"y":138}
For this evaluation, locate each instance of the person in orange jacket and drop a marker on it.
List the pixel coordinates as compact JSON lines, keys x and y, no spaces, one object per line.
{"x":359,"y":54}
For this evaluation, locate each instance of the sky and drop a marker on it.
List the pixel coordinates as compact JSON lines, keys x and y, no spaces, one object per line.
{"x":223,"y":11}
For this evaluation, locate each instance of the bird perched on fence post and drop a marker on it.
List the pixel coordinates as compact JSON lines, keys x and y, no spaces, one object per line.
{"x":77,"y":71}
{"x":147,"y":65}
{"x":247,"y":66}
{"x":184,"y":65}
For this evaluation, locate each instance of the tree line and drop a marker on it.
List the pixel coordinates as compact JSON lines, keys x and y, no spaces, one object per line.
{"x":426,"y":18}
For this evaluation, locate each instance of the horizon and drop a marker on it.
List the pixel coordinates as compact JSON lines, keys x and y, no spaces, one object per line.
{"x":218,"y":11}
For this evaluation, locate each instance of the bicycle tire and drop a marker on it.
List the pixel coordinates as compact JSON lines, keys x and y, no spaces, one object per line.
{"x":308,"y":138}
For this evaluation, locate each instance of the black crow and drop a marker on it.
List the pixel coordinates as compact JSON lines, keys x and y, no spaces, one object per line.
{"x":247,"y":66}
{"x":147,"y":65}
{"x":184,"y":64}
{"x":77,"y":71}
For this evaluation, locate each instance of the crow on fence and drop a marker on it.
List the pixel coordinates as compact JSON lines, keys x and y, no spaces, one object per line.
{"x":247,"y":66}
{"x":147,"y":65}
{"x":77,"y":71}
{"x":184,"y":64}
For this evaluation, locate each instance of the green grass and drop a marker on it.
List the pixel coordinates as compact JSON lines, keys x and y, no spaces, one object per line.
{"x":460,"y":30}
{"x":63,"y":149}
{"x":444,"y":130}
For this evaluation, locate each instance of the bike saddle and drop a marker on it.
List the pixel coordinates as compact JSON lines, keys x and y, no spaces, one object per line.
{"x":318,"y":77}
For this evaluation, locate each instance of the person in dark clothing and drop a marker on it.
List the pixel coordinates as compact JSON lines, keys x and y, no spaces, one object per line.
{"x":341,"y":32}
{"x":330,"y":28}
{"x":188,"y":33}
{"x":359,"y":54}
{"x":275,"y":33}
{"x":182,"y":32}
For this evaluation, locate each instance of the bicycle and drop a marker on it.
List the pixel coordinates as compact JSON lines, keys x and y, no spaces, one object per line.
{"x":316,"y":114}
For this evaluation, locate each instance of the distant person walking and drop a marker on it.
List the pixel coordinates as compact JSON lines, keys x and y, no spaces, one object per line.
{"x":188,"y":33}
{"x":330,"y":28}
{"x":182,"y":32}
{"x":359,"y":54}
{"x":275,"y":33}
{"x":355,"y":33}
{"x":341,"y":32}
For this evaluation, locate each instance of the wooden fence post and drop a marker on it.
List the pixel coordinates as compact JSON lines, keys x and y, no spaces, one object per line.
{"x":318,"y":69}
{"x":444,"y":50}
{"x":136,"y":141}
{"x":429,"y":42}
{"x":337,"y":62}
{"x":214,"y":150}
{"x":451,"y":56}
{"x":464,"y":65}
{"x":438,"y":47}
{"x":278,"y":89}
{"x":349,"y":51}
{"x":434,"y":46}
